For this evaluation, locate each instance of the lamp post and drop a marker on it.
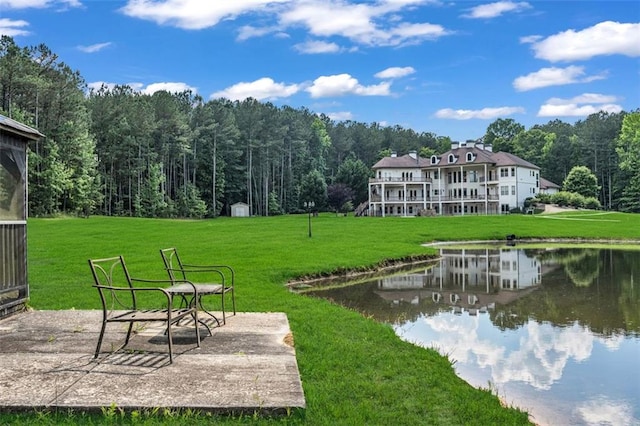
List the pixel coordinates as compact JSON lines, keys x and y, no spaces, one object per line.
{"x":309,"y":205}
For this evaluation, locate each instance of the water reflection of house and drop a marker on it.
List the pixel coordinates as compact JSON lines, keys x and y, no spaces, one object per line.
{"x":474,"y":280}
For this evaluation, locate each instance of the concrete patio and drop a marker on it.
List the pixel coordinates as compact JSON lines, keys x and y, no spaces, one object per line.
{"x":246,"y":366}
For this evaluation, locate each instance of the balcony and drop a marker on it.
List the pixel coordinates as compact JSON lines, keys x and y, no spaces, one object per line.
{"x":434,"y":199}
{"x":400,"y":180}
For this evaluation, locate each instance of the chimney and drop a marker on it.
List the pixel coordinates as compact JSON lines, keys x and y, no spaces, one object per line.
{"x":394,"y":154}
{"x":488,"y":147}
{"x":413,"y":154}
{"x":455,"y":145}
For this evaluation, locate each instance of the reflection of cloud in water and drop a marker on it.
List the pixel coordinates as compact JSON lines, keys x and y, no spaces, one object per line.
{"x":605,"y":412}
{"x":613,"y":342}
{"x":543,"y":354}
{"x":539,"y":358}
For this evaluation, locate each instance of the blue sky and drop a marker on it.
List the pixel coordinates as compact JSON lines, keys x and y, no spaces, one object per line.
{"x":450,"y":68}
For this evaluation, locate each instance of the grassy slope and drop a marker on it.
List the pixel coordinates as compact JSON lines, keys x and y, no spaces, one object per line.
{"x":354,"y":370}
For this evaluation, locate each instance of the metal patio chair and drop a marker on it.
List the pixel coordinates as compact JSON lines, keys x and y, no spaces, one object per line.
{"x":218,"y":280}
{"x":120,"y":300}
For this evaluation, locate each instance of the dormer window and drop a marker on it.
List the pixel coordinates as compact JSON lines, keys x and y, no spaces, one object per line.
{"x":452,"y":158}
{"x":469,"y":157}
{"x":434,"y":159}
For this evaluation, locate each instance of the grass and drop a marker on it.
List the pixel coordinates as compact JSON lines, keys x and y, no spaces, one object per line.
{"x":354,"y":370}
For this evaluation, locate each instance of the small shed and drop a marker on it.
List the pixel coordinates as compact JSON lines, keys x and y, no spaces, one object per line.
{"x":14,"y":139}
{"x":548,"y":187}
{"x":240,"y":210}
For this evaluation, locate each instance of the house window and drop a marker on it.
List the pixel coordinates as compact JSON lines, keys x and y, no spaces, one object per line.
{"x":504,"y":190}
{"x":473,"y":176}
{"x":436,"y":175}
{"x":513,"y":190}
{"x":434,"y":159}
{"x":452,"y":158}
{"x":513,"y":171}
{"x":504,"y":172}
{"x":469,"y":156}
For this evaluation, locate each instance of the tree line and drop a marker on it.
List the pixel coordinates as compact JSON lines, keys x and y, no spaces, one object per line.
{"x":116,"y":151}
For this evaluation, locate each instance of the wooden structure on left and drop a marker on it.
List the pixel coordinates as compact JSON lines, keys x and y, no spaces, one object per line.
{"x":14,"y":287}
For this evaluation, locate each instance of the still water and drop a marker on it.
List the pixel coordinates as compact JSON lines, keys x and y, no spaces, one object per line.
{"x":555,"y":332}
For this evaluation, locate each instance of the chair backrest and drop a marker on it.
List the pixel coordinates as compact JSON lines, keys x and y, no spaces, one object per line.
{"x":172,"y":264}
{"x":111,"y":277}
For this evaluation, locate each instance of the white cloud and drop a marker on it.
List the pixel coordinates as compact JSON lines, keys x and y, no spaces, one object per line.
{"x":530,"y":39}
{"x":579,"y":106}
{"x":483,"y":114}
{"x":553,"y":77}
{"x":493,"y":10}
{"x":96,"y":85}
{"x":193,"y":14}
{"x":368,"y":24}
{"x":605,"y":38}
{"x":340,"y":116}
{"x":262,"y":89}
{"x":317,"y":47}
{"x":25,"y":4}
{"x":248,"y":31}
{"x":173,"y":87}
{"x":375,"y":23}
{"x":395,"y":72}
{"x":344,"y":84}
{"x":12,"y":28}
{"x":94,"y":47}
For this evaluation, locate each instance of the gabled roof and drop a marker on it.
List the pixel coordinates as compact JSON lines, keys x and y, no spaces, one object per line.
{"x":547,"y":184}
{"x":506,"y":159}
{"x":480,"y":156}
{"x":12,"y":126}
{"x":404,"y":162}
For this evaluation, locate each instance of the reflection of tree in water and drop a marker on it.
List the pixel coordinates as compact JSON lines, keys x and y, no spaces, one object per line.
{"x":582,"y":266}
{"x":629,"y":299}
{"x":610,"y":305}
{"x":363,"y":298}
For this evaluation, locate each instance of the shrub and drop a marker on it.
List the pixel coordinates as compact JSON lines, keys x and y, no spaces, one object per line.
{"x":576,"y":200}
{"x":543,"y":198}
{"x":592,"y":203}
{"x":561,"y":198}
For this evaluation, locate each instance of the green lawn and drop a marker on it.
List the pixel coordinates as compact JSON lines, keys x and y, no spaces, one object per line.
{"x":354,"y":370}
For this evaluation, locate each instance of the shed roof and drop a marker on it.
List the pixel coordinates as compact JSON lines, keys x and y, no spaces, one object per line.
{"x":547,"y":184}
{"x":12,"y":126}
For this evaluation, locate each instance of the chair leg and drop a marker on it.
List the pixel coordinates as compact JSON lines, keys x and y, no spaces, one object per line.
{"x":197,"y":325}
{"x":224,"y":317}
{"x":130,"y":329}
{"x":104,"y":326}
{"x":233,"y":299}
{"x":170,"y":337}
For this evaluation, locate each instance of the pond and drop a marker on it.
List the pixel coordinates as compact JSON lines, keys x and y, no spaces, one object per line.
{"x":553,"y":331}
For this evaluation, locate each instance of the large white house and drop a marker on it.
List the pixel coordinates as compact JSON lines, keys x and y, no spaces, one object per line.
{"x":468,"y":179}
